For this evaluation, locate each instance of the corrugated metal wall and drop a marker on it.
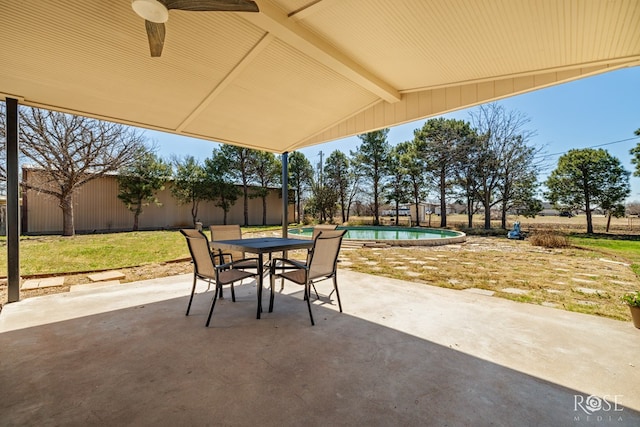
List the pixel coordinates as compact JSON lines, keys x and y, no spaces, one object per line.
{"x":97,"y":207}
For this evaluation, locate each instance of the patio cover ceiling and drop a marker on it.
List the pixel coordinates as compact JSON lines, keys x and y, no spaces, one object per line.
{"x":302,"y":72}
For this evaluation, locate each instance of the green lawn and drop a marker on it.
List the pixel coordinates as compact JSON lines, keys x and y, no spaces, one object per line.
{"x":625,"y":247}
{"x":89,"y":252}
{"x":55,"y":254}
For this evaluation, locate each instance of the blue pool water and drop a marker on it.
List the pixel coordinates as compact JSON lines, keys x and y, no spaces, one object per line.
{"x":385,"y":233}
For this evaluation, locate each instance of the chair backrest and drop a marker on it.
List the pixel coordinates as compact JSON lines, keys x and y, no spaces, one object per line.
{"x":323,"y":258}
{"x":200,"y":252}
{"x":226,"y":232}
{"x":191,"y":232}
{"x":322,"y":227}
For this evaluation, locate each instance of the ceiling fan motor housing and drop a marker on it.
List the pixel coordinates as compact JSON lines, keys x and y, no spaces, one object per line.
{"x":151,"y":10}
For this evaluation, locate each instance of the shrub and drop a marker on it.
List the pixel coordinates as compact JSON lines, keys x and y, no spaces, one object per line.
{"x":491,"y":232}
{"x":549,"y":239}
{"x":359,"y":221}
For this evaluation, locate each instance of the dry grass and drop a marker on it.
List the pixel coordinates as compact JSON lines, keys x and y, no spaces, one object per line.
{"x":548,"y":239}
{"x":568,"y":278}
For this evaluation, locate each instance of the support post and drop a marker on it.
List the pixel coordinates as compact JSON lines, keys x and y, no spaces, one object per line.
{"x":285,"y":194}
{"x":13,"y":203}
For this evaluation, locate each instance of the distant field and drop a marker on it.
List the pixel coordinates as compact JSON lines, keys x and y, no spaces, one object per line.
{"x":575,"y":224}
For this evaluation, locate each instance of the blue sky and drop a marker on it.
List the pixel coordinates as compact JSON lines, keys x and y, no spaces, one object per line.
{"x":589,"y":112}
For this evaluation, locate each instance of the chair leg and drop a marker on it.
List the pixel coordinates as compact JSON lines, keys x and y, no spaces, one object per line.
{"x":193,"y":290}
{"x":233,"y":292}
{"x":307,"y":296}
{"x":315,"y":290}
{"x":213,"y":304}
{"x":272,"y":282}
{"x":335,"y":287}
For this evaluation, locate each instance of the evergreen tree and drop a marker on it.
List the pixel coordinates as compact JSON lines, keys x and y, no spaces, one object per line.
{"x":139,"y":183}
{"x":300,"y":178}
{"x":190,"y":185}
{"x":371,"y":157}
{"x":267,"y":169}
{"x":587,"y":178}
{"x":337,"y":176}
{"x":438,"y":143}
{"x":223,"y":191}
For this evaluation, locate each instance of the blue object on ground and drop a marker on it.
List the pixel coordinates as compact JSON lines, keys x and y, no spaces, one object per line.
{"x":515,"y":233}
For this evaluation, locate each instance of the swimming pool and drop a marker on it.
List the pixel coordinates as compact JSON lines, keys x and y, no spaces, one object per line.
{"x":393,"y":236}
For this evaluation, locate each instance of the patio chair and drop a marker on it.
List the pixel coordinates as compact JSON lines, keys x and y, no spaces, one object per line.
{"x":316,"y":230}
{"x":321,"y":264}
{"x":322,"y":227}
{"x":206,"y":268}
{"x":231,"y":232}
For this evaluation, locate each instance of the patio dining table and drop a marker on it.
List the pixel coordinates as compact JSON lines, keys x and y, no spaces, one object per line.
{"x":261,"y":246}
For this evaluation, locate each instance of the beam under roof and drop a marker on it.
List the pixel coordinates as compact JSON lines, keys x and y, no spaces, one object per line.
{"x":274,"y":21}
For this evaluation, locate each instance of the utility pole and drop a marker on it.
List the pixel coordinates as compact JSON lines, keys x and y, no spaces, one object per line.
{"x":320,"y":169}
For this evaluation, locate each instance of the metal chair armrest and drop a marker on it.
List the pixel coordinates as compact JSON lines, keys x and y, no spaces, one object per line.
{"x":228,"y":265}
{"x":287,"y":264}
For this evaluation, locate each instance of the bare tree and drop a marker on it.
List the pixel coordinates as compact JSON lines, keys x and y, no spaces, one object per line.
{"x":355,"y":178}
{"x":498,"y":129}
{"x":71,"y":151}
{"x":519,"y":176}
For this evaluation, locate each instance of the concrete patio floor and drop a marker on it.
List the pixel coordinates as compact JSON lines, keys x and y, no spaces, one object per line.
{"x":401,"y":354}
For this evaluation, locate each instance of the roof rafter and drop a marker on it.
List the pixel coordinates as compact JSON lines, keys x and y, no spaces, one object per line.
{"x":310,"y":9}
{"x":273,"y":21}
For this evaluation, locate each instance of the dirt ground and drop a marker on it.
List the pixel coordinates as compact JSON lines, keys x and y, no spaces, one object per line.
{"x":132,"y":274}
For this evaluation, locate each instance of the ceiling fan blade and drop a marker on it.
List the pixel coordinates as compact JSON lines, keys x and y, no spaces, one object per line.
{"x":212,"y":5}
{"x":155,"y":33}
